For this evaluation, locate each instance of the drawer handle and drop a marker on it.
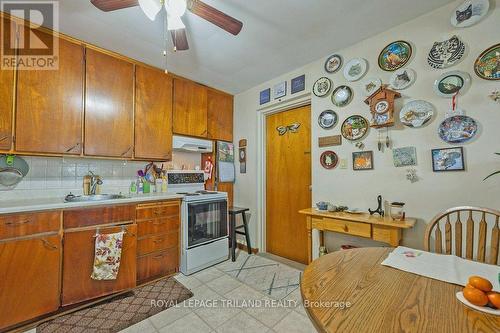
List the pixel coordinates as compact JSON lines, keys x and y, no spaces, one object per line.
{"x":159,"y":240}
{"x":159,"y":223}
{"x":158,"y":257}
{"x":11,"y":223}
{"x":3,"y":138}
{"x":48,"y":244}
{"x":346,"y":229}
{"x":70,"y":149}
{"x":126,"y":151}
{"x":160,"y":212}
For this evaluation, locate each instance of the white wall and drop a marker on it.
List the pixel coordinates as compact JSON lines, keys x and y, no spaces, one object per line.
{"x":435,"y":191}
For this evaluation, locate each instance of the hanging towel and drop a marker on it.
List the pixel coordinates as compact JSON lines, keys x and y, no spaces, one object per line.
{"x":107,"y":256}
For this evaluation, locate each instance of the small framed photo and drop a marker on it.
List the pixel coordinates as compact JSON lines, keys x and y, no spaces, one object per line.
{"x":279,"y":90}
{"x":362,"y":160}
{"x":265,"y":96}
{"x":298,"y":84}
{"x":405,"y":156}
{"x":448,"y":159}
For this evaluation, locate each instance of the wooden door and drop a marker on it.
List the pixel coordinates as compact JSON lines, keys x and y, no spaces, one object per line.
{"x":29,"y":270}
{"x":220,"y":116}
{"x":190,"y":108}
{"x":288,"y":180}
{"x":78,"y":261}
{"x":153,"y":114}
{"x":6,"y":95}
{"x":50,"y":105}
{"x":109,"y":106}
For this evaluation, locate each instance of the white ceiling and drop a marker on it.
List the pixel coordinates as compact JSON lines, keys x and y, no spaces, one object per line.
{"x":278,"y":35}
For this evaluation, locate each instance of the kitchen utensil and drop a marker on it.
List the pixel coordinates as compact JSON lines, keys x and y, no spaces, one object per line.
{"x":10,"y":176}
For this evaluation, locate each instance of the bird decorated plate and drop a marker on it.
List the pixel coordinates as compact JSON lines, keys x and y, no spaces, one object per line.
{"x":333,"y":63}
{"x":370,"y":85}
{"x":449,"y":83}
{"x":469,"y":12}
{"x":487,"y":65}
{"x":354,"y":128}
{"x":355,"y":69}
{"x":395,"y":55}
{"x":446,"y":53}
{"x":328,"y":159}
{"x":416,"y":113}
{"x":327,"y":119}
{"x":341,"y":96}
{"x":457,"y":129}
{"x":322,"y":86}
{"x":402,"y":78}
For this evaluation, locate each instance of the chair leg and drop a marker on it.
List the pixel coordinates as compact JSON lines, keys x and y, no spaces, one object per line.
{"x":247,"y":234}
{"x":233,"y":237}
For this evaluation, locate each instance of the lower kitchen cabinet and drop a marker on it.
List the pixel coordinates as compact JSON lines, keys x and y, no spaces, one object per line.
{"x":29,"y":271}
{"x":157,"y":264}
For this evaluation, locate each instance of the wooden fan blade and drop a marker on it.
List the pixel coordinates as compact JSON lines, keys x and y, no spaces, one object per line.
{"x":179,"y":38}
{"x":215,"y":16}
{"x":110,"y":5}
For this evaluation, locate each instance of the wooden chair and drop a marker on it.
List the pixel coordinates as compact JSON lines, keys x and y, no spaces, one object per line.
{"x":459,"y":214}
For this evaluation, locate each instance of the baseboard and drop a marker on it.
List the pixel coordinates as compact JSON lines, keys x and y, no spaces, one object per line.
{"x":244,"y":248}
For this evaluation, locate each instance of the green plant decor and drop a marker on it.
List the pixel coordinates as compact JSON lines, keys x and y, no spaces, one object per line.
{"x":494,"y":173}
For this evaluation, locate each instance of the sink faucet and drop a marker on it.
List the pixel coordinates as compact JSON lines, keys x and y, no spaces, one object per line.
{"x":94,"y":181}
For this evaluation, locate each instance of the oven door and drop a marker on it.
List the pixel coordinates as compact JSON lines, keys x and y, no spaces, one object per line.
{"x":207,"y":222}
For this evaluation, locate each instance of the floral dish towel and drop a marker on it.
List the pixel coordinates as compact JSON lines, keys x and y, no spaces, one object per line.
{"x":107,"y":256}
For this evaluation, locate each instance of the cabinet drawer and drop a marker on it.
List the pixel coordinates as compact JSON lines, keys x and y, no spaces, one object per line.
{"x":158,"y":226}
{"x":157,"y":243}
{"x":28,"y":224}
{"x":345,"y":227}
{"x":157,"y":210}
{"x":84,"y":217}
{"x":157,"y":264}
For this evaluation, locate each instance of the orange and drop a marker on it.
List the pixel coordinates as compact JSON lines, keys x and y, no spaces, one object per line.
{"x":494,"y":298}
{"x":475,"y":296}
{"x":480,"y":283}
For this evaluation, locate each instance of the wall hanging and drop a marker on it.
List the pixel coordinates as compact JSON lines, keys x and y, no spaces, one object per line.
{"x":342,"y":96}
{"x":327,"y":141}
{"x":354,"y":128}
{"x":457,"y":129}
{"x":265,"y":96}
{"x":495,"y":96}
{"x":362,"y":160}
{"x":298,"y":84}
{"x":328,"y":159}
{"x":416,"y":113}
{"x":293,"y":128}
{"x":327,"y":119}
{"x":225,"y":162}
{"x":450,"y":83}
{"x":404,"y":156}
{"x":448,"y":159}
{"x":395,"y":55}
{"x":469,"y":12}
{"x":355,"y":69}
{"x":369,"y":86}
{"x":411,"y":175}
{"x":487,"y":65}
{"x":279,"y":90}
{"x":322,"y":86}
{"x":242,"y":155}
{"x":402,"y":78}
{"x":446,"y":53}
{"x":381,"y":105}
{"x":333,"y":63}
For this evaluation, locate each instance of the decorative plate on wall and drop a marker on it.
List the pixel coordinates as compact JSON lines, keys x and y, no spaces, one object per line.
{"x":369,"y":86}
{"x":402,"y":78}
{"x":322,"y":86}
{"x":354,"y":128}
{"x":327,"y":119}
{"x":395,"y":55}
{"x":446,"y":53}
{"x":469,"y":12}
{"x":457,"y":129}
{"x":449,"y":83}
{"x":487,"y":65}
{"x":328,"y":159}
{"x":355,"y":69}
{"x":416,"y":113}
{"x":341,"y":96}
{"x":333,"y":63}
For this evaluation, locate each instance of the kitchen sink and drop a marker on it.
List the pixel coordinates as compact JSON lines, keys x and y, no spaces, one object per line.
{"x":96,"y":197}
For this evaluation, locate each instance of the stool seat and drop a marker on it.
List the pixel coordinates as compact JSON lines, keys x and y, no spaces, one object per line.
{"x":237,"y":210}
{"x":233,"y":211}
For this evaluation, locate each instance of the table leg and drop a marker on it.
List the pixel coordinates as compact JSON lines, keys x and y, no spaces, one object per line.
{"x":309,"y":241}
{"x":315,"y":243}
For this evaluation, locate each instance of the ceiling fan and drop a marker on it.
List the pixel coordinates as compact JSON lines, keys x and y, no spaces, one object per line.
{"x":175,"y":9}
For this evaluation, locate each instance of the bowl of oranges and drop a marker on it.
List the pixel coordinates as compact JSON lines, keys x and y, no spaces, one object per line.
{"x":478,"y":294}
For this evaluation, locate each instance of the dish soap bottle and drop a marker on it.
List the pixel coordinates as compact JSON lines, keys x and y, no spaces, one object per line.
{"x":133,"y":188}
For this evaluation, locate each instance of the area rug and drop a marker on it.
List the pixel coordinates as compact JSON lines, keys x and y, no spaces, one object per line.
{"x":274,"y":279}
{"x":121,"y":312}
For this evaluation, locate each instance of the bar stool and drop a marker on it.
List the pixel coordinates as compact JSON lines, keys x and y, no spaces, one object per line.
{"x":233,"y":212}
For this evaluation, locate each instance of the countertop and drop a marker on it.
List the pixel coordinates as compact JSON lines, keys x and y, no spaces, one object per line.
{"x":38,"y":204}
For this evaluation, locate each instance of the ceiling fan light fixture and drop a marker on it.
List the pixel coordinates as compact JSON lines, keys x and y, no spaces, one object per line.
{"x":176,"y":7}
{"x":150,"y":7}
{"x":174,"y":22}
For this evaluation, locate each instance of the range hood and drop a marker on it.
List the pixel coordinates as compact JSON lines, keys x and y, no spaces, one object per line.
{"x":185,"y":143}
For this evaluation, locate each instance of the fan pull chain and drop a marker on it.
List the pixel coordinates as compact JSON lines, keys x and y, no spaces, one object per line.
{"x":166,"y":43}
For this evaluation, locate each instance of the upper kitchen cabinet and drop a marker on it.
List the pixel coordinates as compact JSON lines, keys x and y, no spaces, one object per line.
{"x":109,"y":106}
{"x":6,"y":95}
{"x":220,"y":116}
{"x":153,"y":114}
{"x":190,"y":108}
{"x":50,"y":104}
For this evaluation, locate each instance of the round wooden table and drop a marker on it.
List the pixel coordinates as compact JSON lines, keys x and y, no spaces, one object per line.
{"x":383,"y":299}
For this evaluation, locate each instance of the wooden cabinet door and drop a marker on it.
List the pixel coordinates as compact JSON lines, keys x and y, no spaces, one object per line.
{"x":6,"y":95}
{"x":50,"y":105}
{"x":108,"y":106}
{"x":78,"y":263}
{"x":153,"y":114}
{"x":220,"y":116}
{"x":30,"y":273}
{"x":190,"y":108}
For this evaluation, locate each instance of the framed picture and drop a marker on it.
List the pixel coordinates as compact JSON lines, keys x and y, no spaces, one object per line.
{"x":362,"y":160}
{"x":298,"y":84}
{"x":448,"y":159}
{"x":279,"y":90}
{"x":265,"y":96}
{"x":405,"y":156}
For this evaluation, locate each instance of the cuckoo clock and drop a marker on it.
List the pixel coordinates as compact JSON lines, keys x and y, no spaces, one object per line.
{"x":381,"y":104}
